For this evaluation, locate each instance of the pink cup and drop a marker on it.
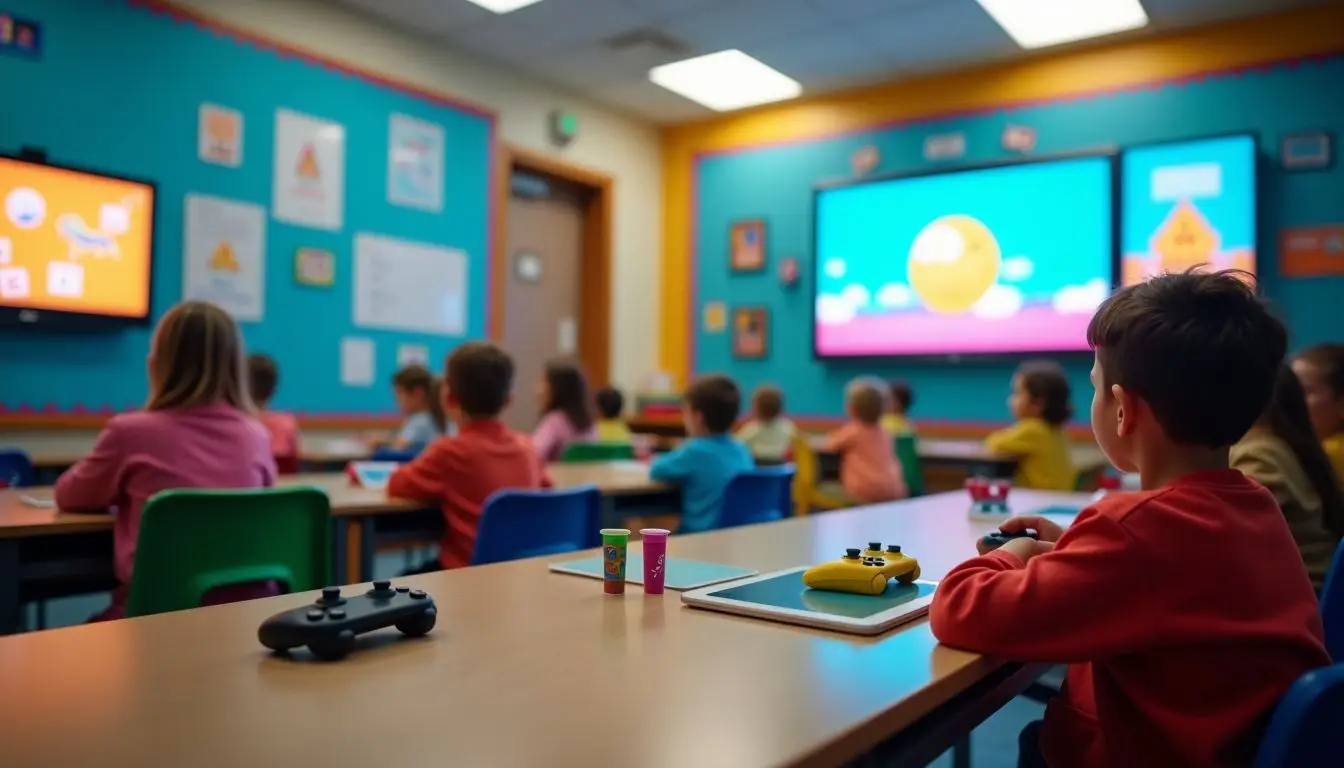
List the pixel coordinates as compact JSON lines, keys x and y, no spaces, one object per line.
{"x":655,"y":559}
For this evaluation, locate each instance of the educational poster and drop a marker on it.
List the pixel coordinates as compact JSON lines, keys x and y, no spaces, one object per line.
{"x":357,"y":361}
{"x":225,"y":255}
{"x":751,"y":336}
{"x":412,"y":354}
{"x":400,"y":285}
{"x":415,"y":163}
{"x":714,"y":317}
{"x":1306,"y":251}
{"x":1187,"y":204}
{"x":220,"y":136}
{"x":309,"y":173}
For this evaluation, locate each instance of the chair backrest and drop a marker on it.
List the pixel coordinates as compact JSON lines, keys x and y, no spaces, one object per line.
{"x":807,"y":473}
{"x":1305,"y":730}
{"x":590,"y":452}
{"x":398,"y":455}
{"x":907,"y":450}
{"x":759,"y":495}
{"x":192,"y":542}
{"x":1332,"y":606}
{"x":518,"y":524}
{"x":16,"y":468}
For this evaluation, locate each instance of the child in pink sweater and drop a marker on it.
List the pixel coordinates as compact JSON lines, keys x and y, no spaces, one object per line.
{"x":197,"y":431}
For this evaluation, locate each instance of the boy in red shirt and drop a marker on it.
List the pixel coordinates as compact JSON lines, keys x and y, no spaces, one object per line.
{"x":1183,"y":610}
{"x":485,"y":456}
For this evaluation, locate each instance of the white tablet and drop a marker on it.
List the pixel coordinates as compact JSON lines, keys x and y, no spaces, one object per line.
{"x":782,"y":596}
{"x":373,"y":474}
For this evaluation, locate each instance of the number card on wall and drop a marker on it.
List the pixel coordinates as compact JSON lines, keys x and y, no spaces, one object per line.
{"x":407,"y":286}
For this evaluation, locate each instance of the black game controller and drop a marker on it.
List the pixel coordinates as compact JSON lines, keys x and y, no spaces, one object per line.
{"x":329,"y":626}
{"x":999,"y":538}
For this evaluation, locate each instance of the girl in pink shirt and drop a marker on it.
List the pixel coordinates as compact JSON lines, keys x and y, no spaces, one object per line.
{"x":567,"y":411}
{"x":263,"y":376}
{"x":197,"y":431}
{"x":869,"y":469}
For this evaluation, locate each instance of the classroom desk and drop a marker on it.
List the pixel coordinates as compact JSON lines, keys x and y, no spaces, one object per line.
{"x":526,"y":668}
{"x":53,"y":455}
{"x":41,"y":539}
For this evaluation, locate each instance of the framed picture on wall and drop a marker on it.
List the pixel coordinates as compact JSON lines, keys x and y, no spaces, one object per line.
{"x":751,"y":333}
{"x":1309,"y":151}
{"x":746,"y":245}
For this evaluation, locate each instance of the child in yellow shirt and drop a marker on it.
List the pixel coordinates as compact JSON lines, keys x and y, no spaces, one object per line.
{"x":1040,"y":403}
{"x":611,"y":427}
{"x":1321,"y":371}
{"x":896,"y":421}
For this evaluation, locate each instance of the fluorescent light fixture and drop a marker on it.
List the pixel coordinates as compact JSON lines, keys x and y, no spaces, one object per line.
{"x":725,"y":80}
{"x":503,"y":6}
{"x":1042,"y":23}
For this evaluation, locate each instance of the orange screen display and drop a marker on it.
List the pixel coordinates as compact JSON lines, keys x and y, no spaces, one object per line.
{"x":74,"y":242}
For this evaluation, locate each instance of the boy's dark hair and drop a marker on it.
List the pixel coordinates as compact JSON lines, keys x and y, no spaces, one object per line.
{"x":1329,"y":360}
{"x":569,"y":393}
{"x":867,"y":400}
{"x":480,"y":379}
{"x":1045,"y":382}
{"x":768,"y":403}
{"x":902,"y":395}
{"x":718,"y":401}
{"x":263,"y":376}
{"x":610,"y":402}
{"x":1200,"y":349}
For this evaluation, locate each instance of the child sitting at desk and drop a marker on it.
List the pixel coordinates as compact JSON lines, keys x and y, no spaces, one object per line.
{"x":263,"y":376}
{"x":461,"y":472}
{"x":709,"y":458}
{"x":197,"y":431}
{"x":1321,"y":371}
{"x":567,"y":415}
{"x":869,"y":470}
{"x":896,"y":421}
{"x":610,"y":427}
{"x":419,"y":397}
{"x":1183,"y":609}
{"x":769,"y":436}
{"x":1040,"y":403}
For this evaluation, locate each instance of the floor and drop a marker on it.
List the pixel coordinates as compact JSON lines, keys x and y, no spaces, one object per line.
{"x":993,"y":745}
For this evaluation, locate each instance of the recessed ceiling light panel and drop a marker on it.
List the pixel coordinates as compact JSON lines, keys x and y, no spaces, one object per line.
{"x":1042,"y":23}
{"x":725,"y":81}
{"x":503,"y":6}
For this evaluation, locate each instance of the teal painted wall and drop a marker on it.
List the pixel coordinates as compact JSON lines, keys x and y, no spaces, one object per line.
{"x":118,"y":89}
{"x":776,"y":183}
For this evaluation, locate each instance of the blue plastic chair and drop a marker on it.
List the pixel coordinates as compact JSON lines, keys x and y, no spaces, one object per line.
{"x":1305,"y":729}
{"x":399,"y":455}
{"x":16,"y":468}
{"x":760,"y":495}
{"x":519,"y":524}
{"x":1332,"y":606}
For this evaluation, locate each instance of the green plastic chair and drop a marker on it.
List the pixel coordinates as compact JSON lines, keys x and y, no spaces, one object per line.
{"x":577,"y":453}
{"x":907,"y":450}
{"x":194,"y":541}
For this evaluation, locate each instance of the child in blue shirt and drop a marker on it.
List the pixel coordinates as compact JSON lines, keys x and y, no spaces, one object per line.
{"x":710,"y":458}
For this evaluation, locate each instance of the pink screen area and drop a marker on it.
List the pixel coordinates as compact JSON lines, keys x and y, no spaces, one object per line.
{"x":1038,"y":328}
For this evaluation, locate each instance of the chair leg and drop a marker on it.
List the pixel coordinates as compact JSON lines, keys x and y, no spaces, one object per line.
{"x":961,"y":752}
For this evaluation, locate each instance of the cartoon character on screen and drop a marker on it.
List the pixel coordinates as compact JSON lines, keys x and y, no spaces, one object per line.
{"x":1185,"y":239}
{"x":83,"y":239}
{"x":953,"y":263}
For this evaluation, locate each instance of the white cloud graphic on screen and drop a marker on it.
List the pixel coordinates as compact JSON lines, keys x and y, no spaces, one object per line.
{"x":1080,"y":299}
{"x":856,"y":295}
{"x":894,"y":296}
{"x":937,"y":244}
{"x":834,"y":310}
{"x":998,"y":303}
{"x":1018,"y":268}
{"x":835,"y":268}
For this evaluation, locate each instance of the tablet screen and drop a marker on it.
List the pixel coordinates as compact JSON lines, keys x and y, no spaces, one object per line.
{"x":788,"y":591}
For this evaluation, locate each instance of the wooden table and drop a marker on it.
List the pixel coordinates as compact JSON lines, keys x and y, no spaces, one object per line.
{"x":361,"y":518}
{"x":525,"y":668}
{"x":55,"y":454}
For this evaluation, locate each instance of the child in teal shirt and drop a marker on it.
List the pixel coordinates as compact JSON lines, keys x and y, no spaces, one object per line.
{"x":710,"y":458}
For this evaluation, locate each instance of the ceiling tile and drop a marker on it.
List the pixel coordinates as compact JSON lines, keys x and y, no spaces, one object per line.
{"x":950,"y":32}
{"x":424,"y":16}
{"x":658,"y":104}
{"x":819,"y":57}
{"x":744,"y":23}
{"x":586,"y":68}
{"x":857,"y":10}
{"x":669,"y":9}
{"x":548,"y":27}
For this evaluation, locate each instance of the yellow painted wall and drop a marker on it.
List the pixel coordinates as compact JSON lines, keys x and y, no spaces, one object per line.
{"x":1238,"y":44}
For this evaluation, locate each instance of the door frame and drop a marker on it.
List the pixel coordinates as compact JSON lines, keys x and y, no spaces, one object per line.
{"x":594,"y":339}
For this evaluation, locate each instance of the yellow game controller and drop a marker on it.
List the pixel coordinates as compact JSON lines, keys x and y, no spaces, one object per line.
{"x":863,"y":572}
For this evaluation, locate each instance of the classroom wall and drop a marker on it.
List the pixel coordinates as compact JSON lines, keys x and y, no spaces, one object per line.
{"x":766,"y":165}
{"x":609,"y":142}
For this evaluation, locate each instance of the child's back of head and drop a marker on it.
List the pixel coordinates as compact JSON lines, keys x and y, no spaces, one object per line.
{"x":714,"y":403}
{"x":196,"y":359}
{"x":1184,"y":361}
{"x":902,"y":397}
{"x":610,"y":403}
{"x":263,"y":377}
{"x":866,"y":400}
{"x":767,"y":404}
{"x":566,"y":391}
{"x":1320,"y":368}
{"x":479,"y":378}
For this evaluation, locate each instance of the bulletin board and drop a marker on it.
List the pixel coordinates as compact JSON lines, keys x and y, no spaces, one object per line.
{"x":119,"y":89}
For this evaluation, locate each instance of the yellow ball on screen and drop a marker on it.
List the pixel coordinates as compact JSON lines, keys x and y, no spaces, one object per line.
{"x":952,"y":262}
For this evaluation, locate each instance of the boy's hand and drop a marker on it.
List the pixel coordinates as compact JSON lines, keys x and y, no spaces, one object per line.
{"x":1047,"y":532}
{"x":1026,"y":548}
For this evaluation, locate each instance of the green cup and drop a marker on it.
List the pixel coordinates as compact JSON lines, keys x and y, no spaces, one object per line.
{"x":615,"y":542}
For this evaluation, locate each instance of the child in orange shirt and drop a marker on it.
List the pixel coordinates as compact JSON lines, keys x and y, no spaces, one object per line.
{"x":869,"y":470}
{"x":263,"y":376}
{"x":485,"y":456}
{"x":1184,"y":609}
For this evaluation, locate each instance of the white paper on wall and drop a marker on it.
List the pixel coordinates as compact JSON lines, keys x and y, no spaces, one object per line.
{"x":357,"y":361}
{"x":415,"y":163}
{"x":309,"y":173}
{"x":224,"y":255}
{"x":400,"y":285}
